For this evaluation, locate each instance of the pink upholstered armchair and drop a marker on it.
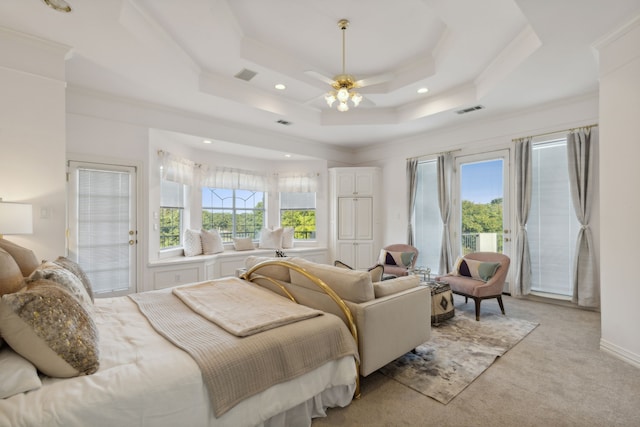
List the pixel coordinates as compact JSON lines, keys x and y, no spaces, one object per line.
{"x":394,"y":262}
{"x":478,"y":289}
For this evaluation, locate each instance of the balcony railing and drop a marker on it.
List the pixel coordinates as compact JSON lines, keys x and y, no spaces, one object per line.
{"x":481,"y":242}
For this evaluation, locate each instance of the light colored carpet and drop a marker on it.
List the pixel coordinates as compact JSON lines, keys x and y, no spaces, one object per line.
{"x":557,"y":376}
{"x":460,"y":350}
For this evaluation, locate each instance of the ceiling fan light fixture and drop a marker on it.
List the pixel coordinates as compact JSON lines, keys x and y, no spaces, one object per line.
{"x":330,"y":98}
{"x":342,"y":107}
{"x":343,"y":94}
{"x":356,"y":98}
{"x":58,"y":5}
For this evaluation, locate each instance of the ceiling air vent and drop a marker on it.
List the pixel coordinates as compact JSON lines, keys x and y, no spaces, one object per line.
{"x":245,"y":75}
{"x":284,"y":122}
{"x":470,"y":109}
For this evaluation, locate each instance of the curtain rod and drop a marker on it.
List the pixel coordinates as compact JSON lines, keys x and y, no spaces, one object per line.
{"x":557,"y":131}
{"x":433,"y":154}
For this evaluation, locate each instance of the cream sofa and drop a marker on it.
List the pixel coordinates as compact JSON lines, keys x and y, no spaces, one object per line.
{"x":392,"y":317}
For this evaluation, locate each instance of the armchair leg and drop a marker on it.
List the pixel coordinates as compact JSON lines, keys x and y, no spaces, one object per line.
{"x":500,"y":303}
{"x":477,"y":300}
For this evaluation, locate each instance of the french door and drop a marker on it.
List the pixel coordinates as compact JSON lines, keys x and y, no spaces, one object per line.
{"x":481,"y":204}
{"x":102,"y":231}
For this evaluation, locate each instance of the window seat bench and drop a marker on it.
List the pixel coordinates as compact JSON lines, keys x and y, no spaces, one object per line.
{"x":178,"y":270}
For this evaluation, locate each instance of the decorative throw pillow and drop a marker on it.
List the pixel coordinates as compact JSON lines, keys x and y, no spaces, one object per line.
{"x":401,"y":259}
{"x":271,"y":239}
{"x":25,"y":258}
{"x":243,"y":244}
{"x":46,"y":325}
{"x":75,"y":268}
{"x":64,"y":278}
{"x":287,"y":237}
{"x":211,"y":242}
{"x":375,"y":272}
{"x":11,"y":279}
{"x":17,"y":373}
{"x":478,"y":270}
{"x":192,"y":244}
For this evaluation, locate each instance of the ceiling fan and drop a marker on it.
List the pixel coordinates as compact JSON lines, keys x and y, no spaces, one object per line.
{"x":344,"y":84}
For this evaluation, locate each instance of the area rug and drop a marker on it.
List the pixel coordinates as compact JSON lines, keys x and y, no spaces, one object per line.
{"x":460,"y":349}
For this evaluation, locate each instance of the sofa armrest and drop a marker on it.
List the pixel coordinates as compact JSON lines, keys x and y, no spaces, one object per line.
{"x":391,"y":326}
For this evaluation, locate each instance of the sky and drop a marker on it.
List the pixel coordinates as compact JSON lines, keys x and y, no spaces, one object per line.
{"x":481,"y":182}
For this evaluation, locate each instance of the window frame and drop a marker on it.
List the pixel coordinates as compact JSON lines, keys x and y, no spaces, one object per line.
{"x":314,"y":209}
{"x":235,"y":212}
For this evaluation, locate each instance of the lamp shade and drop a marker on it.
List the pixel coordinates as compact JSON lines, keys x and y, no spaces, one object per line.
{"x":16,"y":218}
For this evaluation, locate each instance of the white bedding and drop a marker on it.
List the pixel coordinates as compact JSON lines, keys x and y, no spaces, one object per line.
{"x":144,"y":380}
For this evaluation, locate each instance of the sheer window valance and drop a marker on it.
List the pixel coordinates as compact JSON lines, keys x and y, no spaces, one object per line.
{"x":294,"y":182}
{"x":188,"y":172}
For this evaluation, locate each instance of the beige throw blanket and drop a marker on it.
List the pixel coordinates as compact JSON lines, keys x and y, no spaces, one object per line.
{"x":240,"y":308}
{"x":235,"y":368}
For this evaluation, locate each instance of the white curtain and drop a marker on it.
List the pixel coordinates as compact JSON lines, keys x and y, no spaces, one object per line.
{"x":522,"y":282}
{"x":580,"y":148}
{"x":412,"y":181}
{"x":296,"y":182}
{"x":445,"y":169}
{"x":178,"y":169}
{"x":234,"y":179}
{"x":188,"y":172}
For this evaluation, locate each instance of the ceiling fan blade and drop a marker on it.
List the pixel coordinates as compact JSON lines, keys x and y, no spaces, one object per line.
{"x":319,"y":76}
{"x":374,"y":80}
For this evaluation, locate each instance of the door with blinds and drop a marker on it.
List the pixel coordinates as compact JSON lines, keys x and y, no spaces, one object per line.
{"x":102,"y":231}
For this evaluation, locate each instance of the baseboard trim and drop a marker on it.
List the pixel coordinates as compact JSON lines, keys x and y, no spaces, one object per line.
{"x":620,"y":353}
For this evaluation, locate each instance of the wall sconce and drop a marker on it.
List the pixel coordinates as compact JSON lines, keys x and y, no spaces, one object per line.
{"x":15,"y":218}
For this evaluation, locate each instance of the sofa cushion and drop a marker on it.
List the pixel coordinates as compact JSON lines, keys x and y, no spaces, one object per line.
{"x":243,"y":244}
{"x":274,"y":271}
{"x":478,"y":270}
{"x":287,"y":237}
{"x":393,"y":286}
{"x":271,"y":239}
{"x":351,"y":285}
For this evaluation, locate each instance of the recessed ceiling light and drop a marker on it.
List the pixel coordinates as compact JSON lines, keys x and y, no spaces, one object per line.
{"x":287,"y":155}
{"x":280,"y":86}
{"x":206,"y":141}
{"x":59,"y":5}
{"x":423,"y":90}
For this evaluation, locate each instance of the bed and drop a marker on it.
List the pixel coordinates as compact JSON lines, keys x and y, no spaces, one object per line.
{"x":144,"y":379}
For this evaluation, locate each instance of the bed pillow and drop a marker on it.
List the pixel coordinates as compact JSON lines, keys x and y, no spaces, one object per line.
{"x":287,"y":237}
{"x":75,"y":268}
{"x":17,"y":373}
{"x":401,"y":259}
{"x":64,"y":278}
{"x":48,"y":326}
{"x":192,"y":244}
{"x":243,"y":243}
{"x":211,"y":242}
{"x":271,"y":239}
{"x":25,"y":258}
{"x":11,"y":279}
{"x":478,"y":270}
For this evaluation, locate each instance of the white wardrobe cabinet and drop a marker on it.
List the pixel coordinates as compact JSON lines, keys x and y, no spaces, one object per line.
{"x":355,"y":223}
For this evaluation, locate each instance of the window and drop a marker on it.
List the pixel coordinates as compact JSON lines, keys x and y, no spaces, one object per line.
{"x":298,"y":210}
{"x":427,"y":220}
{"x":171,"y":214}
{"x":552,"y":227}
{"x":234,"y":213}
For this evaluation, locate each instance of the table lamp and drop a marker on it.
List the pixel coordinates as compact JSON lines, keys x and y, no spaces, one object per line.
{"x":15,"y":218}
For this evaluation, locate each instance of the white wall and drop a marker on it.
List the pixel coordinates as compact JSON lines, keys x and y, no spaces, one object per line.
{"x":620,"y":197}
{"x":32,"y":137}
